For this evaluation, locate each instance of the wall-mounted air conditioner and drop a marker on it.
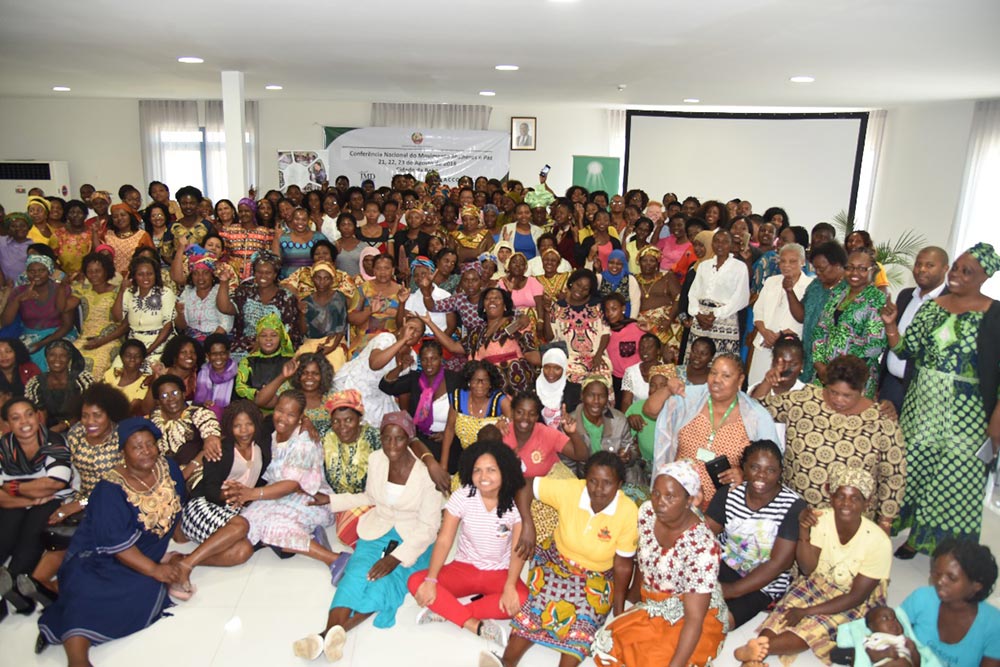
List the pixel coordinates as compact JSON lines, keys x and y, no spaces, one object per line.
{"x":19,"y":176}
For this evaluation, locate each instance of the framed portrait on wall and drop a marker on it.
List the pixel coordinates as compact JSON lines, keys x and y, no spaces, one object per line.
{"x":523,"y":135}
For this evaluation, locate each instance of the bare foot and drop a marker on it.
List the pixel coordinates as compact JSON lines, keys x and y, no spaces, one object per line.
{"x":754,"y":651}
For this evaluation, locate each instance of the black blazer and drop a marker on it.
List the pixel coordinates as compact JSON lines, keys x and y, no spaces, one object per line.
{"x":408,"y":385}
{"x":215,"y":473}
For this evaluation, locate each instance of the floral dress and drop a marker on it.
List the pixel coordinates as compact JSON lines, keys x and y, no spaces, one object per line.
{"x":855,"y":329}
{"x":125,"y":247}
{"x":146,"y":318}
{"x":581,"y":328}
{"x":242,"y":243}
{"x":250,"y":309}
{"x":73,"y":248}
{"x":95,"y":322}
{"x":506,"y":352}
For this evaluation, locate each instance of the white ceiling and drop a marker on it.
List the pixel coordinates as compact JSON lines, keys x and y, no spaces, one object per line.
{"x":863,"y":53}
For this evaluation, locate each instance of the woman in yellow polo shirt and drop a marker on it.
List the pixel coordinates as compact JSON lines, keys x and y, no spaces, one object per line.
{"x":583,"y":571}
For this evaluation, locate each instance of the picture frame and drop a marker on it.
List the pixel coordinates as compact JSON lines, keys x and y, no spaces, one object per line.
{"x":523,"y":133}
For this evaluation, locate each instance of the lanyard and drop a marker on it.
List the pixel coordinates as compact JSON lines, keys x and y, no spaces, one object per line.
{"x":711,"y":417}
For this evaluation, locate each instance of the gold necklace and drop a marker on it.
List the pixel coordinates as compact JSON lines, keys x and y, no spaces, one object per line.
{"x":131,"y":474}
{"x":643,"y":283}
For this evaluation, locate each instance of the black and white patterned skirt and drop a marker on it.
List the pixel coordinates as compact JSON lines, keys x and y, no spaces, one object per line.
{"x":202,"y":518}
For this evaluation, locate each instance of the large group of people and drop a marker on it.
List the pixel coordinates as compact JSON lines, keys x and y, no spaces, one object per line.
{"x":627,"y":426}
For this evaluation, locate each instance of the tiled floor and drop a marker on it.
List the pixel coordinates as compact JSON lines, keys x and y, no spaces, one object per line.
{"x":250,"y":615}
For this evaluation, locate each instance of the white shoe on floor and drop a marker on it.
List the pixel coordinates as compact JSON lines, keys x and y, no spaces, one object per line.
{"x":309,"y":647}
{"x":333,"y":643}
{"x":488,"y":659}
{"x":493,"y":631}
{"x":425,"y":616}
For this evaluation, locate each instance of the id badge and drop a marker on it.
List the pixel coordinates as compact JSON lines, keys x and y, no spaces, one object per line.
{"x":705,"y":455}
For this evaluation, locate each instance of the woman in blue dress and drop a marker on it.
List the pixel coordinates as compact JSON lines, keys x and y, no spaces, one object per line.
{"x":113,"y":582}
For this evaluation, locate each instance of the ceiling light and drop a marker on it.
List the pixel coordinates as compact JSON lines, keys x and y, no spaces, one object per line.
{"x":190,"y":60}
{"x":487,"y":93}
{"x":61,"y":89}
{"x":507,"y":68}
{"x":802,"y":79}
{"x":691,"y":100}
{"x":273,"y":86}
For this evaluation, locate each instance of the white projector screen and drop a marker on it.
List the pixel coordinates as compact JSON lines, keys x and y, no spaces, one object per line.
{"x":808,"y":164}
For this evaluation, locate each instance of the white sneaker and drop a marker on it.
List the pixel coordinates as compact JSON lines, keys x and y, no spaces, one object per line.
{"x":494,"y":632}
{"x":333,"y":643}
{"x":489,"y":659}
{"x":309,"y":647}
{"x":425,"y":616}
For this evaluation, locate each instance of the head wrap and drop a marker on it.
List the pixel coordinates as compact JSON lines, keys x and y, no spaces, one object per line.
{"x":129,"y":427}
{"x":473,"y":266}
{"x":324,"y":266}
{"x":17,"y":215}
{"x":422,"y":260}
{"x":402,"y":420}
{"x":249,"y":203}
{"x":101,"y":194}
{"x":432,"y":172}
{"x":489,"y":256}
{"x":104,"y":247}
{"x":273,"y":321}
{"x":987,"y":258}
{"x":551,"y":250}
{"x":668,"y":371}
{"x":490,"y":208}
{"x":44,"y":260}
{"x":265,"y":255}
{"x":41,"y":201}
{"x":77,"y":364}
{"x":859,"y":478}
{"x":502,"y":266}
{"x":367,"y":251}
{"x":205,"y":261}
{"x":705,"y":238}
{"x":551,"y":393}
{"x":539,"y":198}
{"x":591,"y":378}
{"x":125,"y":207}
{"x":616,"y":279}
{"x":349,"y":398}
{"x":684,"y":472}
{"x":470,"y":210}
{"x":650,"y":250}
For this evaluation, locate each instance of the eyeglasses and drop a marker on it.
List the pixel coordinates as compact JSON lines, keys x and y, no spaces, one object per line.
{"x":171,"y":394}
{"x":858,"y":269}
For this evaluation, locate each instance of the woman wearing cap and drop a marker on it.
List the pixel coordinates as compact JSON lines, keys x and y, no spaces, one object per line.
{"x":42,"y":307}
{"x":395,"y":539}
{"x":114,"y":579}
{"x":472,"y":239}
{"x":198,"y":314}
{"x":681,"y":619}
{"x":951,"y":405}
{"x":844,"y":561}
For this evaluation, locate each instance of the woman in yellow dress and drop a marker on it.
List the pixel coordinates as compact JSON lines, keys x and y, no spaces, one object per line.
{"x":99,"y":334}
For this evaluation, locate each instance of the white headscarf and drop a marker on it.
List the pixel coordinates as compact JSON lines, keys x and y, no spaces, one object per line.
{"x":551,"y":393}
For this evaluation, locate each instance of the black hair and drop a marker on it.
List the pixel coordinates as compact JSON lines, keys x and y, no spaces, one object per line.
{"x":787,"y":341}
{"x":76,"y":203}
{"x":11,"y":402}
{"x":825,"y":227}
{"x":100,"y":258}
{"x":644,"y":220}
{"x":734,"y":358}
{"x":470,"y":369}
{"x":801,"y":235}
{"x":584,"y":273}
{"x":242,"y":406}
{"x":547,"y":236}
{"x":149,"y":190}
{"x":21,"y":354}
{"x":110,"y":399}
{"x":433,"y":345}
{"x":865,"y":237}
{"x":651,"y":336}
{"x":597,"y":193}
{"x":508,"y":302}
{"x":694,"y":221}
{"x":214,"y":235}
{"x":976,"y":560}
{"x":188,"y":191}
{"x":768,"y":446}
{"x":215,"y":209}
{"x":777,"y":210}
{"x":347,"y":216}
{"x":576,"y":188}
{"x":125,"y":189}
{"x":443,"y":252}
{"x":608,"y":460}
{"x":615,"y":296}
{"x":325,"y":371}
{"x":849,"y":369}
{"x":490,"y":432}
{"x":147,"y":216}
{"x":142,"y":259}
{"x":173,"y":348}
{"x":216,"y":339}
{"x":42,"y":249}
{"x":526,"y":396}
{"x":511,"y":477}
{"x":832,"y":251}
{"x":324,"y":243}
{"x":132,"y":342}
{"x":381,"y":257}
{"x":705,"y":340}
{"x":159,"y":383}
{"x":294,"y":395}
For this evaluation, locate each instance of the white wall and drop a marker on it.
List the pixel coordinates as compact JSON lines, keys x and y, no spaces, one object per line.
{"x":921,"y":170}
{"x":98,"y":137}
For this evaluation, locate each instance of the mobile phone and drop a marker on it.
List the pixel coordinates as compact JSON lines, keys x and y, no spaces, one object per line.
{"x":545,"y":171}
{"x":716,"y":467}
{"x":390,"y":547}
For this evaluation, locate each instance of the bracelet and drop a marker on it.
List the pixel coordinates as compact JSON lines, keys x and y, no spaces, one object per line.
{"x":12,"y":487}
{"x":431,"y":579}
{"x":260,"y":496}
{"x":426,"y":454}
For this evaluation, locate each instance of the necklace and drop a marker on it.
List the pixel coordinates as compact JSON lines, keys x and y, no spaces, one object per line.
{"x":646,"y":284}
{"x":711,"y":417}
{"x":131,"y":474}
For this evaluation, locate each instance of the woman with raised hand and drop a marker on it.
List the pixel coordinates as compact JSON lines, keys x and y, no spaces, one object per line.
{"x":42,"y":305}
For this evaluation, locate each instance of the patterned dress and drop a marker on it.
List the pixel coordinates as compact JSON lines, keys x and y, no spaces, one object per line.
{"x":72,"y":248}
{"x":469,"y":322}
{"x":730,"y":440}
{"x":765,"y":267}
{"x":944,"y":424}
{"x":648,"y":633}
{"x":346,"y":467}
{"x":856,"y":329}
{"x":813,"y":302}
{"x":125,"y":247}
{"x":242,"y":243}
{"x":295,"y":255}
{"x":250,"y":309}
{"x":147,"y":315}
{"x":581,"y":328}
{"x":91,"y":462}
{"x":96,"y":321}
{"x":820,"y":442}
{"x":506,"y":352}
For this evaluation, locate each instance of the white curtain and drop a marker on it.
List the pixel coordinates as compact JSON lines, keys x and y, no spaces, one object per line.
{"x":616,"y":141}
{"x":170,"y":140}
{"x":869,"y":168}
{"x":215,"y":149}
{"x":977,"y":206}
{"x":443,"y":116}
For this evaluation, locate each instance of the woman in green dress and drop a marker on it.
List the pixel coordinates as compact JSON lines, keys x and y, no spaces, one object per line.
{"x":951,"y":405}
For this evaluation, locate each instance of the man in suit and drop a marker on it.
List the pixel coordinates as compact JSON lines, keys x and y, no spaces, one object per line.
{"x":929,"y":271}
{"x":524,"y":139}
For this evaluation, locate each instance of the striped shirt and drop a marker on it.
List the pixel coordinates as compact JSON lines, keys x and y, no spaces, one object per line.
{"x":748,"y":536}
{"x":51,"y":460}
{"x":484,"y":539}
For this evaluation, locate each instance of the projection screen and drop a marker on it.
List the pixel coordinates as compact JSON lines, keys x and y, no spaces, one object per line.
{"x":808,"y":164}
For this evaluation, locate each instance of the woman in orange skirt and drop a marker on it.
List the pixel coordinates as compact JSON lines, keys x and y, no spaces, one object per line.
{"x":682,"y":618}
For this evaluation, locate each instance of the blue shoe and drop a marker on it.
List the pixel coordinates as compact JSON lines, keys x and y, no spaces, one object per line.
{"x":321,"y":539}
{"x":338,"y":567}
